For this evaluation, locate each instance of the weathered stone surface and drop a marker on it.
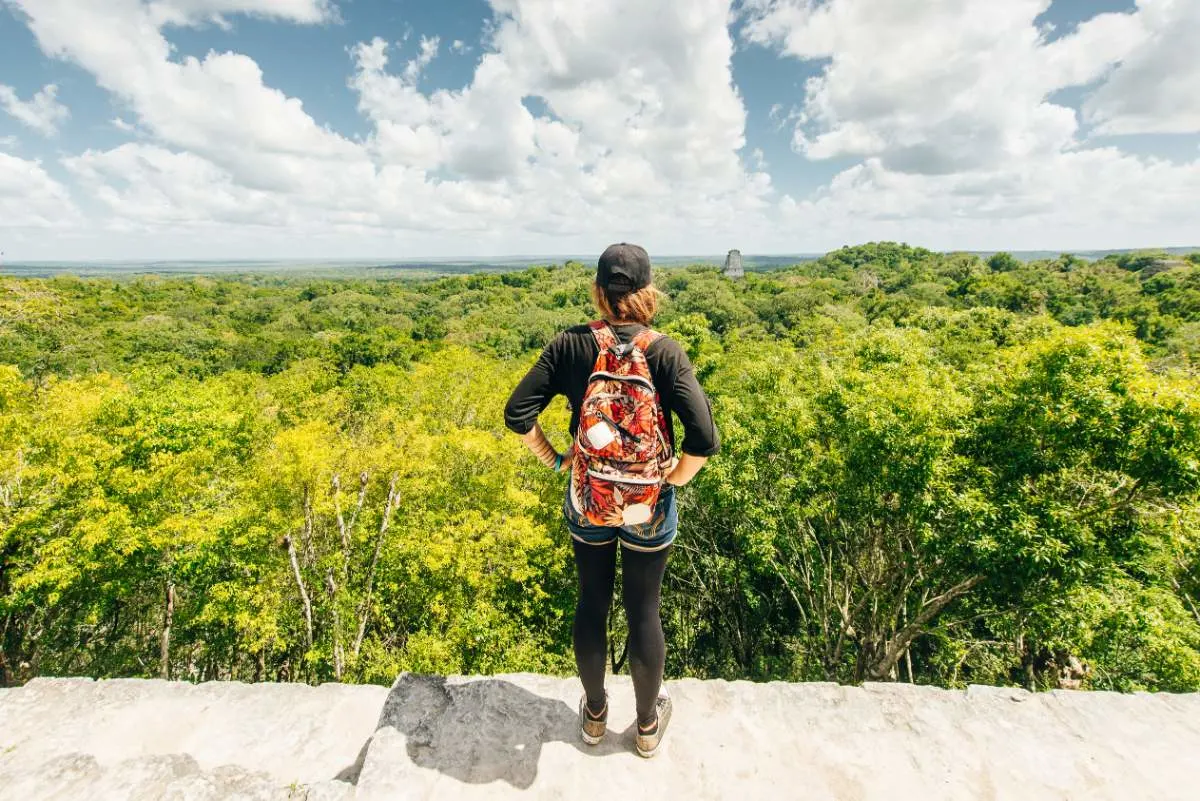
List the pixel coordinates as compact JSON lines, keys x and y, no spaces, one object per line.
{"x":141,"y":778}
{"x":329,"y":791}
{"x":279,"y":735}
{"x":516,"y":736}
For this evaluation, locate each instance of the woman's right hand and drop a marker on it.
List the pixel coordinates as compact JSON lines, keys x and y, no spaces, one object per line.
{"x":683,"y":469}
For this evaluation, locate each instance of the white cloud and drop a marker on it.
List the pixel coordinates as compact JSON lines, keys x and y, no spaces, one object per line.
{"x":642,"y":144}
{"x":42,"y":112}
{"x":482,"y":133}
{"x":937,"y":87}
{"x":590,"y":122}
{"x":1090,"y":198}
{"x":429,"y":50}
{"x":948,"y":107}
{"x":639,"y":132}
{"x":149,"y":186}
{"x":30,"y":198}
{"x":1156,"y":88}
{"x":189,"y":12}
{"x":640,"y":97}
{"x":217,"y":107}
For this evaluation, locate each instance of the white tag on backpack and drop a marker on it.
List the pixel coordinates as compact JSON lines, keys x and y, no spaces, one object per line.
{"x":636,"y":514}
{"x":600,"y":435}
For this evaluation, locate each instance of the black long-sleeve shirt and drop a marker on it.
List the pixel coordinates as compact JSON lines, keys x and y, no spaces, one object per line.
{"x":566,"y":363}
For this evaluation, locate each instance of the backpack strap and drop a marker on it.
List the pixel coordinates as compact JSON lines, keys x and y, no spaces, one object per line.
{"x":645,"y":338}
{"x":605,"y":337}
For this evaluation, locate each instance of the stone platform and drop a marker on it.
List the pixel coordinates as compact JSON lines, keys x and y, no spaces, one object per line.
{"x":516,"y":736}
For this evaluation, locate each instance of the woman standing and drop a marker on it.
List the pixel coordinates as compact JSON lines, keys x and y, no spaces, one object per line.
{"x":598,"y":517}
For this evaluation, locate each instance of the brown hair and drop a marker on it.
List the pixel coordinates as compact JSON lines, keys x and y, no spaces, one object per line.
{"x":639,"y":306}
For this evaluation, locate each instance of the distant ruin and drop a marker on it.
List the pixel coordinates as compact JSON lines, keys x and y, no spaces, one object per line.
{"x":733,"y":265}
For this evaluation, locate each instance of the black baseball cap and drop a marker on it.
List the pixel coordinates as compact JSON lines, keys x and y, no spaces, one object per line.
{"x":623,"y":268}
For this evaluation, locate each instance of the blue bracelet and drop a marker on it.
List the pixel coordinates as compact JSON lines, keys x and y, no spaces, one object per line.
{"x":558,"y":463}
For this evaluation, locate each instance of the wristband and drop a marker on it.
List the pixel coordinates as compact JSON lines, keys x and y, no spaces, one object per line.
{"x":558,"y":460}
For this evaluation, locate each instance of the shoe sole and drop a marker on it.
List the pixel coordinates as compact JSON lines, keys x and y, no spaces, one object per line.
{"x":589,"y":739}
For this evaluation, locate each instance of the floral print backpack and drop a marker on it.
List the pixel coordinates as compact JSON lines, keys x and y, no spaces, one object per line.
{"x":622,"y":451}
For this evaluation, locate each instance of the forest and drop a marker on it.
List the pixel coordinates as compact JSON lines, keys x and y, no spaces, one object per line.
{"x":935,"y":468}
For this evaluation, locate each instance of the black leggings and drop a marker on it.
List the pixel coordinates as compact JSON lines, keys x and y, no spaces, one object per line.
{"x":642,"y":576}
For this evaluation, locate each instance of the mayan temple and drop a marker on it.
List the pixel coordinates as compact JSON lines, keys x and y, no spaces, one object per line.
{"x":733,"y":264}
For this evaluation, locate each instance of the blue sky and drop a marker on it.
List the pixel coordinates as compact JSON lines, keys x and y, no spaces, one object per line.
{"x":395,"y":128}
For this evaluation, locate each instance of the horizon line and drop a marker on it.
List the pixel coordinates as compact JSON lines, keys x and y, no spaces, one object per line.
{"x":559,"y":257}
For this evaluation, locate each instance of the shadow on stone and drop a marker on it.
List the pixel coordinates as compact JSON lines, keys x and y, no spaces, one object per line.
{"x":482,"y":730}
{"x":351,"y":772}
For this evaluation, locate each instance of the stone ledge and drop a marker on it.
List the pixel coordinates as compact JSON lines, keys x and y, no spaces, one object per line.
{"x":517,"y":736}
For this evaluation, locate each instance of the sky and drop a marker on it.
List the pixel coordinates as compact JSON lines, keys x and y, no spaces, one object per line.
{"x":364,"y":129}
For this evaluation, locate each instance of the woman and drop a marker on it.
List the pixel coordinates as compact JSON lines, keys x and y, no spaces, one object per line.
{"x":627,"y":302}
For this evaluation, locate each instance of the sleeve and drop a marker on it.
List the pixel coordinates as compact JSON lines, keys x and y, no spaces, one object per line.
{"x":700,"y":436}
{"x":534,"y":392}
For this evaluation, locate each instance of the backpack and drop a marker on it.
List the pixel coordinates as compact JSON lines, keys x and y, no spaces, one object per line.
{"x":622,"y":449}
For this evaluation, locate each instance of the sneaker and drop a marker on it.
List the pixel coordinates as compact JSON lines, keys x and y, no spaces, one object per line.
{"x":648,"y":740}
{"x":592,"y":727}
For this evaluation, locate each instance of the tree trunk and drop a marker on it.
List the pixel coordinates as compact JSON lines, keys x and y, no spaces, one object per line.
{"x":6,"y":676}
{"x":363,"y":479}
{"x":306,"y":533}
{"x":908,"y":650}
{"x":338,"y":660}
{"x":884,"y":666}
{"x":168,"y":617}
{"x":365,"y":610}
{"x":337,"y":509}
{"x":308,"y":615}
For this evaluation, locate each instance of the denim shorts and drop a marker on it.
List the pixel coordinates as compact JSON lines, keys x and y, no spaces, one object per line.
{"x":655,"y":534}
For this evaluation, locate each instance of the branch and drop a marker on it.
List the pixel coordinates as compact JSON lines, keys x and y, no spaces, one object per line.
{"x":791,"y":591}
{"x":1186,"y":599}
{"x":365,"y":610}
{"x":337,"y":508}
{"x":308,"y":617}
{"x":363,"y":478}
{"x":306,"y":533}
